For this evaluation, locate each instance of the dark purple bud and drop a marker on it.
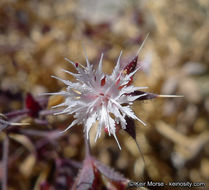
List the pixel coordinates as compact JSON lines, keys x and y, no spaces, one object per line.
{"x":32,"y":105}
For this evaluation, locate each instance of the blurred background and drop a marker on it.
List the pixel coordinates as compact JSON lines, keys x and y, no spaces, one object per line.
{"x":36,"y":36}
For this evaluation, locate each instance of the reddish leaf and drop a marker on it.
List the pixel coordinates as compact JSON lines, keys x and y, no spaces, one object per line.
{"x":32,"y":105}
{"x":109,"y":172}
{"x":86,"y":177}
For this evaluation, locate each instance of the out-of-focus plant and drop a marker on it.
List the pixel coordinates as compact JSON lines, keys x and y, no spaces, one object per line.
{"x":95,"y":99}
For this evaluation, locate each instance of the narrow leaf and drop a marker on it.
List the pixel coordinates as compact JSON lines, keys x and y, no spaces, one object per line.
{"x":109,"y":172}
{"x":85,"y":177}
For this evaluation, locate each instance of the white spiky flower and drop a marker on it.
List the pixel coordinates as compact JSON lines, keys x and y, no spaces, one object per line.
{"x":98,"y":97}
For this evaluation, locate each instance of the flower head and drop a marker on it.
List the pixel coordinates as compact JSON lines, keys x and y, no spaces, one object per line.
{"x":100,"y":97}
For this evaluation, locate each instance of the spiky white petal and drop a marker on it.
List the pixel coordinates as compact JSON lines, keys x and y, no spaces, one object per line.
{"x":99,"y":97}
